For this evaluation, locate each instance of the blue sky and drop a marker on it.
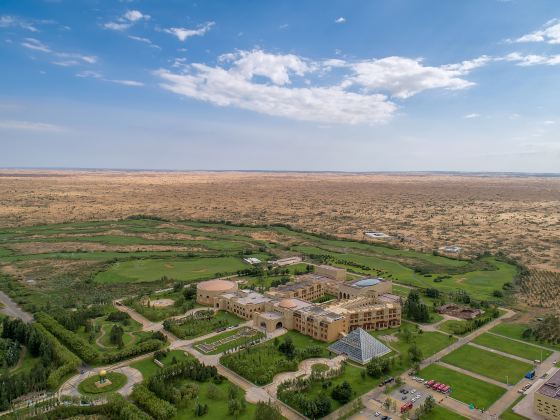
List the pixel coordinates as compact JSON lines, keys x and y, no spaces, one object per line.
{"x":353,"y":85}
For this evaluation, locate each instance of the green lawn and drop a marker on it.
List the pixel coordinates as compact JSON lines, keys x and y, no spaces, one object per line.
{"x":147,"y":270}
{"x":217,"y":407}
{"x":87,"y":387}
{"x":230,"y":344}
{"x":442,"y":413}
{"x":148,"y":368}
{"x":465,"y":388}
{"x":429,"y":343}
{"x":450,"y":326}
{"x":516,"y":348}
{"x":516,"y":331}
{"x":486,"y":363}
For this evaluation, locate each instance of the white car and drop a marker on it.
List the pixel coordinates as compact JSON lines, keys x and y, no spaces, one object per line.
{"x":418,"y":396}
{"x":377,"y":414}
{"x":413,"y":391}
{"x":413,"y":400}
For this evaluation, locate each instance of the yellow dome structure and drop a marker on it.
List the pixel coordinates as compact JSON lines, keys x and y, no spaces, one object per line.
{"x":102,"y":372}
{"x":287,"y":303}
{"x":208,"y":291}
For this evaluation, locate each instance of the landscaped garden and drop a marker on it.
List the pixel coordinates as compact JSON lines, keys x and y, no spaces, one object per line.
{"x":241,"y":337}
{"x":93,"y":385}
{"x":488,"y":364}
{"x":465,"y":388}
{"x":201,"y":323}
{"x":159,"y":306}
{"x":148,"y":366}
{"x":506,"y":345}
{"x":260,"y":363}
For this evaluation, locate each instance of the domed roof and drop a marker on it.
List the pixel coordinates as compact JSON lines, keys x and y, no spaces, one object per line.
{"x":367,"y":282}
{"x":287,"y":303}
{"x":216,"y":285}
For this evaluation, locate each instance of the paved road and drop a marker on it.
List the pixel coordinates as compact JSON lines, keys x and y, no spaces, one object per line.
{"x":12,"y":309}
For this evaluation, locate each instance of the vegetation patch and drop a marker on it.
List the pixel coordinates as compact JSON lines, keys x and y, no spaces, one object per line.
{"x":464,"y":388}
{"x":518,"y":332}
{"x":485,"y":363}
{"x":230,"y":340}
{"x":506,"y":345}
{"x":201,"y":323}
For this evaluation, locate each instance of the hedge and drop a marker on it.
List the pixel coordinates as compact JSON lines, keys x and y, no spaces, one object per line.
{"x":156,"y":407}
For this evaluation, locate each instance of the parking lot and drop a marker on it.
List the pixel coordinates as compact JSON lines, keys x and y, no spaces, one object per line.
{"x":409,"y":393}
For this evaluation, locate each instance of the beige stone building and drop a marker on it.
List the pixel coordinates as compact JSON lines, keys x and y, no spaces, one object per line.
{"x":366,"y":303}
{"x":546,"y":400}
{"x":330,"y":272}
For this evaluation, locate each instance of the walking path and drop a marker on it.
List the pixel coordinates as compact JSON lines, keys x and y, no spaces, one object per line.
{"x":523,"y":342}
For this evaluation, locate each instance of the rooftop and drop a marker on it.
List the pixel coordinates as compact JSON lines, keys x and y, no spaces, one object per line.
{"x":367,"y":282}
{"x":216,"y":285}
{"x":313,"y":310}
{"x":292,"y":303}
{"x":551,"y":388}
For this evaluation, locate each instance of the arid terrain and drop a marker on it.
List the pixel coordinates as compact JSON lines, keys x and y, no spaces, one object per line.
{"x":516,"y":215}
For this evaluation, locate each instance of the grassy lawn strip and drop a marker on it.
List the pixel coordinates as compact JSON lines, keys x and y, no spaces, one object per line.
{"x":516,"y":331}
{"x":429,"y":343}
{"x":442,"y":413}
{"x":512,"y":347}
{"x":231,"y":344}
{"x":491,"y":365}
{"x":451,"y":326}
{"x":148,"y":367}
{"x":465,"y":388}
{"x":88,"y":386}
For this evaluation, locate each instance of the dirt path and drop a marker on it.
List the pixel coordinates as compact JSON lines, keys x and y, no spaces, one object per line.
{"x":12,"y":309}
{"x":20,"y":360}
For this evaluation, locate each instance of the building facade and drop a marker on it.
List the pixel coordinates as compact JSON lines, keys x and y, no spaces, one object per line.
{"x":546,"y":400}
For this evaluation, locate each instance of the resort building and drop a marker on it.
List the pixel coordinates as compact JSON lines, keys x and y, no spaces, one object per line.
{"x":208,"y":291}
{"x":360,"y":347}
{"x":330,"y":272}
{"x":286,"y":261}
{"x":546,"y":400}
{"x":365,"y":304}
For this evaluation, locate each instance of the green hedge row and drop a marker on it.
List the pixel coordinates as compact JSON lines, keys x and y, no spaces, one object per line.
{"x":153,"y":405}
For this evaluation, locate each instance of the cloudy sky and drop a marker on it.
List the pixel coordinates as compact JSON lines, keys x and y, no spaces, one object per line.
{"x":349,"y":85}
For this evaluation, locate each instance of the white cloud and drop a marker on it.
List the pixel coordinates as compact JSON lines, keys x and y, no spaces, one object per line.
{"x":135,"y":15}
{"x":276,"y":68}
{"x":128,"y":19}
{"x":290,"y":86}
{"x":471,"y":116}
{"x":61,"y":58}
{"x":340,"y":20}
{"x":144,"y":40}
{"x":183,"y":33}
{"x":31,"y":126}
{"x":404,"y":77}
{"x":549,"y":33}
{"x":7,"y":21}
{"x":97,"y":75}
{"x":533,"y":59}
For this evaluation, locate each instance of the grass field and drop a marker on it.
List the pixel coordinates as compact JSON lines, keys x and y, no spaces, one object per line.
{"x":516,"y":348}
{"x":516,"y":331}
{"x":465,"y":388}
{"x":491,"y":365}
{"x":449,"y":326}
{"x":87,"y":387}
{"x":148,"y":368}
{"x":146,"y":270}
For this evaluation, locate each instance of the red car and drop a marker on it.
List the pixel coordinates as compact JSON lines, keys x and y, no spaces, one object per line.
{"x":435,"y":385}
{"x":429,"y":383}
{"x":406,"y":407}
{"x":441,"y":387}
